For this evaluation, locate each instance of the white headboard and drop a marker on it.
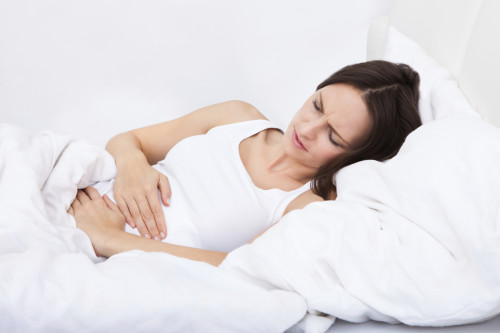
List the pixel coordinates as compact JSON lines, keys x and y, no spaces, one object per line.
{"x":462,"y":35}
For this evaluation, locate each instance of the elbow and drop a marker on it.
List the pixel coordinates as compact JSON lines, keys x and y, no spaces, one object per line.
{"x":115,"y":140}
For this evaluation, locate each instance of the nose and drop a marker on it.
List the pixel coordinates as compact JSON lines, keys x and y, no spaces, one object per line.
{"x":311,"y":128}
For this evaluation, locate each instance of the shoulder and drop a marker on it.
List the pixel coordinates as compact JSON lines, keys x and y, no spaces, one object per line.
{"x":236,"y":111}
{"x":221,"y":114}
{"x":301,"y":201}
{"x":304,"y":199}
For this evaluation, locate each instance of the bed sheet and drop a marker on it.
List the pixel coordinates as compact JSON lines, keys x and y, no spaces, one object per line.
{"x":340,"y":326}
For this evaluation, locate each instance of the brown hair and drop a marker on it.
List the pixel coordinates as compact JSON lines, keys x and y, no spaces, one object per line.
{"x":390,"y":92}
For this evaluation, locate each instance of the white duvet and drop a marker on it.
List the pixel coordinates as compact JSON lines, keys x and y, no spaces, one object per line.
{"x":51,"y":280}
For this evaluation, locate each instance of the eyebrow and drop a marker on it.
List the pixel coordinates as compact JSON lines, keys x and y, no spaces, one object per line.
{"x":331,"y":127}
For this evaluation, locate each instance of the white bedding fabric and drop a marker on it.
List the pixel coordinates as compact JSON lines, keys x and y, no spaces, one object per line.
{"x":439,"y":93}
{"x":414,"y":240}
{"x":50,"y":279}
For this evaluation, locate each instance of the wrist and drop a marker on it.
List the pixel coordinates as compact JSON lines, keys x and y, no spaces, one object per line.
{"x":131,"y":159}
{"x":126,"y":148}
{"x":107,"y":245}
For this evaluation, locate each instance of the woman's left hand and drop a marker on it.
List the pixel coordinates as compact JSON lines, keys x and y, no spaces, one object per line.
{"x":98,"y":217}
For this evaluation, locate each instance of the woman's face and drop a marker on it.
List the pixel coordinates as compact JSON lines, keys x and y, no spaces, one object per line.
{"x":334,"y":119}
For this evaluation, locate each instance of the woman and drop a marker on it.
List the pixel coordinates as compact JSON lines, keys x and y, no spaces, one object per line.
{"x":363,"y":111}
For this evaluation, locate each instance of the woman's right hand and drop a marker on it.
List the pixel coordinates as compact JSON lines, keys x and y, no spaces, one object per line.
{"x":136,"y":194}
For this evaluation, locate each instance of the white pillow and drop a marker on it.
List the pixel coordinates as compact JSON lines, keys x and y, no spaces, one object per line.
{"x":435,"y":80}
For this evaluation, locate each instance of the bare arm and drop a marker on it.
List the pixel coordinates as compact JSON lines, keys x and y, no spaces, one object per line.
{"x":120,"y":241}
{"x":103,"y":222}
{"x":155,"y":141}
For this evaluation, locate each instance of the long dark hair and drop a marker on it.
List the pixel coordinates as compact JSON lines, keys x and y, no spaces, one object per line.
{"x":390,"y":92}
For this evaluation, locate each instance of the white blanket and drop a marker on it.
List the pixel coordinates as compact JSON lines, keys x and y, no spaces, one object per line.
{"x":415,"y":239}
{"x":51,"y":280}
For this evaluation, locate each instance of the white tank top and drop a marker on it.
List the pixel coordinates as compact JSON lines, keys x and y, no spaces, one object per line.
{"x":214,"y":204}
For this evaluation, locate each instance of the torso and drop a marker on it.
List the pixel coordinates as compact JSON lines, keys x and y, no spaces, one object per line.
{"x":234,"y":206}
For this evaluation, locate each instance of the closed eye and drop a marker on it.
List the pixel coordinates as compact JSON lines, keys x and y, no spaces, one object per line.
{"x":316,"y":105}
{"x":332,"y":140}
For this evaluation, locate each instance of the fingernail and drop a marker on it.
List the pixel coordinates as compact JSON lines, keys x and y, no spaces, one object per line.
{"x":168,"y":201}
{"x":156,"y":238}
{"x":147,"y":236}
{"x":162,"y":235}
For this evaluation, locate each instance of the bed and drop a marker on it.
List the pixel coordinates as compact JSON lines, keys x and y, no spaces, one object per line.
{"x":398,"y":246}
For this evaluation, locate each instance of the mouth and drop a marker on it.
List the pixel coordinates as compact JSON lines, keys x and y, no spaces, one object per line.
{"x":296,"y":141}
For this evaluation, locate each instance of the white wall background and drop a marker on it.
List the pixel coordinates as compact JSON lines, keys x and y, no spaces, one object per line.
{"x":98,"y":67}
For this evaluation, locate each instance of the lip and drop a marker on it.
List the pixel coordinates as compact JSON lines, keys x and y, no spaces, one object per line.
{"x":296,"y":140}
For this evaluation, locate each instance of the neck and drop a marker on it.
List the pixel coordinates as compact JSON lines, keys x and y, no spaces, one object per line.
{"x":281,"y":164}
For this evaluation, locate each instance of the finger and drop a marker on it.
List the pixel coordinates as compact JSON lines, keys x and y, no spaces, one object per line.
{"x":165,"y":190}
{"x":158,"y":215}
{"x":147,"y":217}
{"x":122,"y":205}
{"x":92,"y":193}
{"x":71,"y":211}
{"x":76,"y":204}
{"x":111,"y":205}
{"x":82,"y":197}
{"x":137,"y":218}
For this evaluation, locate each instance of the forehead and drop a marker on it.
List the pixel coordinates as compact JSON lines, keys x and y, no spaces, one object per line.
{"x":346,"y":111}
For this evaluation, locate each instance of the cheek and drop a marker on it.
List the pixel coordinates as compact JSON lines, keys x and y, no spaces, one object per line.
{"x":327,"y":152}
{"x":305,"y":111}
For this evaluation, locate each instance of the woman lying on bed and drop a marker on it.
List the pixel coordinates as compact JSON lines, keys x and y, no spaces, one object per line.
{"x":225,"y":174}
